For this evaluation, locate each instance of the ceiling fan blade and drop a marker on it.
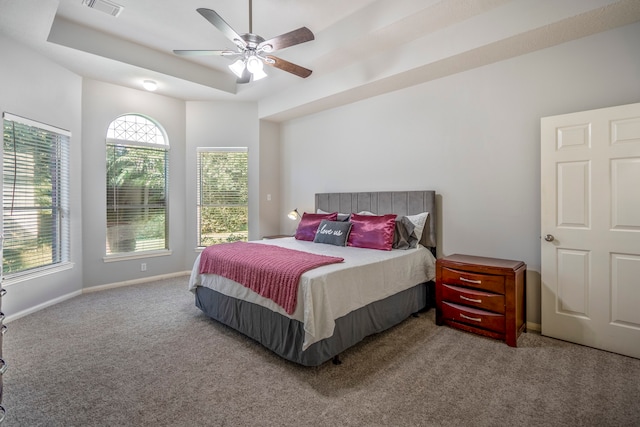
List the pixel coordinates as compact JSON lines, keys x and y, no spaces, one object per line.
{"x":287,"y":66}
{"x":292,"y":38}
{"x":217,"y":21}
{"x":206,"y":52}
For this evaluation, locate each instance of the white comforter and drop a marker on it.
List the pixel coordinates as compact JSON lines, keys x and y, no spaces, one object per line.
{"x":332,"y":291}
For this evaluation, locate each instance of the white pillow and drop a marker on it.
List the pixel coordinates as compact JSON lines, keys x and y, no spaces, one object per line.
{"x":341,"y":216}
{"x":419,"y":221}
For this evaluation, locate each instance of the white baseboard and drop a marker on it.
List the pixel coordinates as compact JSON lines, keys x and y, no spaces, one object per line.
{"x":530,"y":325}
{"x":39,"y":307}
{"x":135,"y":281}
{"x":55,"y":301}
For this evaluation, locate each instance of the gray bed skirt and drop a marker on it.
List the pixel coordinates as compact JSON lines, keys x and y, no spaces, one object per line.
{"x":285,"y":336}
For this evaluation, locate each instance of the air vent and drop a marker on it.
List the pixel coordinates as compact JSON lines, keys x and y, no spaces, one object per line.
{"x":104,"y":6}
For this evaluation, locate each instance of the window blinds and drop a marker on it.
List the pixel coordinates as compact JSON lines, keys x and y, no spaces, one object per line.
{"x":136,"y":198}
{"x":223,"y":195}
{"x":35,"y":194}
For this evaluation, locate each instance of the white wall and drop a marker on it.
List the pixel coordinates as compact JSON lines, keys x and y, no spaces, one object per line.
{"x":473,"y":137}
{"x":270,"y":196}
{"x":221,"y":124}
{"x":36,"y":88}
{"x":101,"y":104}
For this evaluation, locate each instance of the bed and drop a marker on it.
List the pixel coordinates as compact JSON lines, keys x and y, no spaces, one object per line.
{"x":338,"y":305}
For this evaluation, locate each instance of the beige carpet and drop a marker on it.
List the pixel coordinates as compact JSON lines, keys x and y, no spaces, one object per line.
{"x":144,"y":355}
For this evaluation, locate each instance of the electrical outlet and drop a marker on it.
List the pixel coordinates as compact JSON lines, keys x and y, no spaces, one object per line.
{"x":143,"y":266}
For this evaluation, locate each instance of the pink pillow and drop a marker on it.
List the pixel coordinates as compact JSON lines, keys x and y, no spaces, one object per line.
{"x":309,"y":224}
{"x":373,"y":232}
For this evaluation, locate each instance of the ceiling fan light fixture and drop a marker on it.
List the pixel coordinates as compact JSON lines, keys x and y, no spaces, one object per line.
{"x":254,"y":64}
{"x":258,"y":74}
{"x":237,"y":67}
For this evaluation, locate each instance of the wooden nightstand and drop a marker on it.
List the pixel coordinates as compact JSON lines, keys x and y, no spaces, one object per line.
{"x":485,"y":296}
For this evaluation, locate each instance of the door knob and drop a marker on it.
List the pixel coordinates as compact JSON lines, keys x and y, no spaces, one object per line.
{"x":549,"y":238}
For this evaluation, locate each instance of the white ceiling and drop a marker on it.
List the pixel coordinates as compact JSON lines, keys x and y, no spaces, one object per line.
{"x":362,"y":47}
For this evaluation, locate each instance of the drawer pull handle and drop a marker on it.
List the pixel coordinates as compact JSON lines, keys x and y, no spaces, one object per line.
{"x":477,"y":282}
{"x":4,"y":367}
{"x":3,"y":412}
{"x":470,"y":299}
{"x":3,"y":329}
{"x":475,"y":319}
{"x":1,"y":316}
{"x":3,"y":292}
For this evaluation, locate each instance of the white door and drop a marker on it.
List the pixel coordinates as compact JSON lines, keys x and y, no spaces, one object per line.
{"x":590,"y":167}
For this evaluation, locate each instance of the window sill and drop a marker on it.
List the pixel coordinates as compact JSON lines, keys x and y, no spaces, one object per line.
{"x":11,"y":279}
{"x":136,"y":255}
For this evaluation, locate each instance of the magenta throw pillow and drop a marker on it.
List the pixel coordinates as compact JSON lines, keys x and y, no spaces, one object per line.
{"x":372,"y":231}
{"x":309,"y":224}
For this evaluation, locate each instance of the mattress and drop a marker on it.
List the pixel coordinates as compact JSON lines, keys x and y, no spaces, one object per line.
{"x":330,"y":292}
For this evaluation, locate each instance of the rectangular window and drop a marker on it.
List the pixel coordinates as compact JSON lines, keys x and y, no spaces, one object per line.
{"x":35,"y":195}
{"x":136,"y":198}
{"x":223,"y":195}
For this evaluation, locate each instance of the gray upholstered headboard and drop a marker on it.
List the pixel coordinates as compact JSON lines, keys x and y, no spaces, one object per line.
{"x":394,"y":202}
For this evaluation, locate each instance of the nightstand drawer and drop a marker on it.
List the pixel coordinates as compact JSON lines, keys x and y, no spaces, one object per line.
{"x":486,"y":282}
{"x":475,"y":298}
{"x":472,"y":316}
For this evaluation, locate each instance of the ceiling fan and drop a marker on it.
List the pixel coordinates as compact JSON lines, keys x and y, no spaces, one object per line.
{"x":253,"y":51}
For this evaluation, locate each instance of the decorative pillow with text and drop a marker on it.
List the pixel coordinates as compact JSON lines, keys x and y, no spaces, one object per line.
{"x":333,"y":232}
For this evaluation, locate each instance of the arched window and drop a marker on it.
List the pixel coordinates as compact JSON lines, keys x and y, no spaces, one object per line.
{"x":137,"y":182}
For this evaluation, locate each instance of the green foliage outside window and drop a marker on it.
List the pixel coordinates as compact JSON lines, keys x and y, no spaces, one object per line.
{"x":136,"y":198}
{"x":223,"y":197}
{"x":35,"y":195}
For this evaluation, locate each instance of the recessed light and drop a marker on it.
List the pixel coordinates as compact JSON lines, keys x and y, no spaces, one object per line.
{"x":150,"y":85}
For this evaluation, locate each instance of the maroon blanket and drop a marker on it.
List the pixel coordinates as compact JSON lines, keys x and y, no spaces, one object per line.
{"x":271,"y":271}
